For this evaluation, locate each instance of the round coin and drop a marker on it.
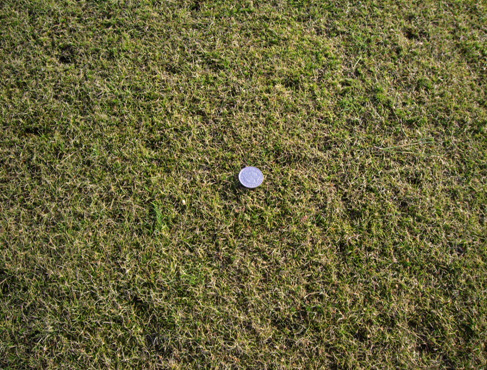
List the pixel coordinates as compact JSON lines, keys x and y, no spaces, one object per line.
{"x":251,"y":177}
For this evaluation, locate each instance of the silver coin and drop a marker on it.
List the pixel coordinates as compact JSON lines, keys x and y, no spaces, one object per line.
{"x":251,"y":177}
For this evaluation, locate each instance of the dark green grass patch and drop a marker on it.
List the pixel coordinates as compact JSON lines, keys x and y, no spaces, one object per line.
{"x":126,"y":241}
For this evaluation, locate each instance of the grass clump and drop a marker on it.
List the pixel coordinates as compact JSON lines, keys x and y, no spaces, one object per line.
{"x":125,"y":240}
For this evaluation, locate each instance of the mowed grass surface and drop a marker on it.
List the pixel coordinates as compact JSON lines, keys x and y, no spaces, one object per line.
{"x":126,"y":241}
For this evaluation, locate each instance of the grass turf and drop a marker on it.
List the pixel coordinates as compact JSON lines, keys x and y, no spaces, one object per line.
{"x":125,"y":240}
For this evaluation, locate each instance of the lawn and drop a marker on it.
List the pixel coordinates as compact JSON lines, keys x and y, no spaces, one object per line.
{"x":126,"y":240}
